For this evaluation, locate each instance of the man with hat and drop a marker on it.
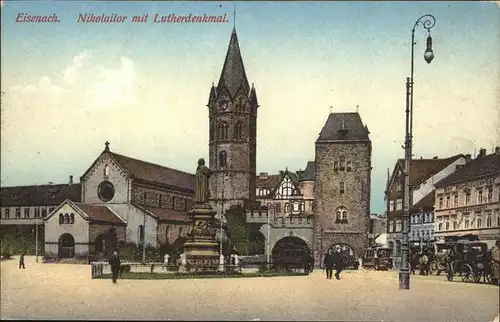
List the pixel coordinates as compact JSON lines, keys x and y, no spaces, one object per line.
{"x":495,"y":262}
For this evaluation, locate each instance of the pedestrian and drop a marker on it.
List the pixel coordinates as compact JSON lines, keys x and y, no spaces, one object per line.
{"x":305,"y":262}
{"x":495,"y":261}
{"x":21,"y":261}
{"x":311,"y":262}
{"x":413,"y":261}
{"x":114,"y":262}
{"x":339,"y":262}
{"x":424,"y":264}
{"x":328,"y":264}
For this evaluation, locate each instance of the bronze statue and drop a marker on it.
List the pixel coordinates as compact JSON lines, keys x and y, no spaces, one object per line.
{"x":202,"y":192}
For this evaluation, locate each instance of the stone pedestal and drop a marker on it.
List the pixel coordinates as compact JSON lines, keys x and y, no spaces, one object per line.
{"x":201,"y":248}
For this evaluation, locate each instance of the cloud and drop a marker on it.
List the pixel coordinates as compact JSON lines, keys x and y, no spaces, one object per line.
{"x":85,"y":85}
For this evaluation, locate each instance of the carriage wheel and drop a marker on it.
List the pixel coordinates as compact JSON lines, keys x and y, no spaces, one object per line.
{"x":467,"y":273}
{"x":476,"y":276}
{"x":449,"y":275}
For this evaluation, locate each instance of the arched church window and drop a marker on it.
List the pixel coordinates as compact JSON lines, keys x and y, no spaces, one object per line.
{"x":222,"y":131}
{"x":287,"y":207}
{"x":342,"y":164}
{"x":222,"y":159}
{"x":278,"y":207}
{"x":66,"y":218}
{"x":238,"y":131}
{"x":342,"y":187}
{"x":106,"y":170}
{"x":348,"y":166}
{"x":336,"y":166}
{"x":61,"y":219}
{"x":72,"y":218}
{"x":241,"y":105}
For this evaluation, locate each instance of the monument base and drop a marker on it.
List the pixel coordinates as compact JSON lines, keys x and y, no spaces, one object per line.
{"x":201,"y":248}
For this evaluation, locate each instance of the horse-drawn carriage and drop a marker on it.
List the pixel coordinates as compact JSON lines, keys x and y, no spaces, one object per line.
{"x":471,"y":260}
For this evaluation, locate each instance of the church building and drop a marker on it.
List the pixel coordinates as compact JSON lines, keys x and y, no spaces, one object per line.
{"x":123,"y":201}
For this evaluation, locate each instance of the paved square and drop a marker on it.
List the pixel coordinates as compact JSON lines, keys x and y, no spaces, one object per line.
{"x":61,"y":291}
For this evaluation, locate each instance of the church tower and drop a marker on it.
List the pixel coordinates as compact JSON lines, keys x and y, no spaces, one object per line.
{"x":232,"y":109}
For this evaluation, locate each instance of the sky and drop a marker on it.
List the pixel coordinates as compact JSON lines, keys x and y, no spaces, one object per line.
{"x":68,"y":87}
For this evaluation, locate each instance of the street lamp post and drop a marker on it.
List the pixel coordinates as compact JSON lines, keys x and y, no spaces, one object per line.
{"x":270,"y":210}
{"x":144,"y":239}
{"x":427,"y":21}
{"x":221,"y":256}
{"x":37,"y":214}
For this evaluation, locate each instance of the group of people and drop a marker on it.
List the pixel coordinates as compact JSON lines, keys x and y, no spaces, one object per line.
{"x":334,"y":260}
{"x":421,"y":258}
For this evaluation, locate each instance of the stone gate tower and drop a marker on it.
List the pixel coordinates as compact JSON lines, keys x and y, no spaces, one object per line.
{"x":342,"y":186}
{"x":233,"y":132}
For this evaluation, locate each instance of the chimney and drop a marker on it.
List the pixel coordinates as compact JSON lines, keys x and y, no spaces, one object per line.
{"x":497,"y":150}
{"x":70,"y":180}
{"x":434,"y":158}
{"x":468,"y":157}
{"x":482,"y":153}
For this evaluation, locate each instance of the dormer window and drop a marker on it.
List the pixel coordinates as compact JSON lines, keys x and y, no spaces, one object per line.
{"x":106,"y":170}
{"x":52,"y":195}
{"x":14,"y":196}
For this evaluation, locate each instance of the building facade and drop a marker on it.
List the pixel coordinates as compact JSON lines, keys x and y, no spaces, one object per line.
{"x":232,"y":107}
{"x":287,"y":194}
{"x":467,"y":202}
{"x":342,"y":185}
{"x":376,"y":228}
{"x":122,"y":200}
{"x":424,"y":173}
{"x":23,"y":208}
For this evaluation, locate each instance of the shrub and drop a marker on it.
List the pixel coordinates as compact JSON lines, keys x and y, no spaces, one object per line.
{"x":124,"y":268}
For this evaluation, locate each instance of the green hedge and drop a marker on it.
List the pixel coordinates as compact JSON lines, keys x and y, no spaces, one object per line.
{"x":12,"y":245}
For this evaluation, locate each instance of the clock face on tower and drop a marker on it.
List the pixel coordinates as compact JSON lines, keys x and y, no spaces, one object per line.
{"x":106,"y":191}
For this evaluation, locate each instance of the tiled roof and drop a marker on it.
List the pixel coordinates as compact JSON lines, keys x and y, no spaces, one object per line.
{"x":480,"y":167}
{"x":426,"y":203}
{"x":422,"y":169}
{"x":155,"y":173}
{"x":233,"y":76}
{"x":166,"y":214}
{"x":343,"y":127}
{"x":99,"y":213}
{"x":39,"y":195}
{"x":309,"y":173}
{"x":269,"y":181}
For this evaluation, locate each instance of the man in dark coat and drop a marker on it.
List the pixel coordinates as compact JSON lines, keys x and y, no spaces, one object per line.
{"x":311,"y":262}
{"x":114,"y":262}
{"x":328,"y":264}
{"x":339,"y":262}
{"x":21,"y":261}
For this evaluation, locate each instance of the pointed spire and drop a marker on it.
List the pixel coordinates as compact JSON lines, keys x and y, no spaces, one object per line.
{"x":234,"y":17}
{"x":233,"y":75}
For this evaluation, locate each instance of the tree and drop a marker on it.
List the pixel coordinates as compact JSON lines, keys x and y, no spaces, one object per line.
{"x":238,"y":231}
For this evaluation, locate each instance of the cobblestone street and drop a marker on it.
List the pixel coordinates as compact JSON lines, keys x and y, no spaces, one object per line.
{"x":63,"y":291}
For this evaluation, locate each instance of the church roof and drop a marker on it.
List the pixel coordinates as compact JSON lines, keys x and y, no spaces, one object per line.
{"x":39,"y":195}
{"x":483,"y":166}
{"x":155,"y":173}
{"x":99,"y":213}
{"x":343,"y":127}
{"x":233,"y":76}
{"x":165,"y":214}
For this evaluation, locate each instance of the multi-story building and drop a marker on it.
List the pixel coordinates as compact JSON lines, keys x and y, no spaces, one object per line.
{"x":342,"y":185}
{"x":23,"y":208}
{"x":287,"y":193}
{"x":468,"y":201}
{"x":377,"y":228}
{"x":424,"y":173}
